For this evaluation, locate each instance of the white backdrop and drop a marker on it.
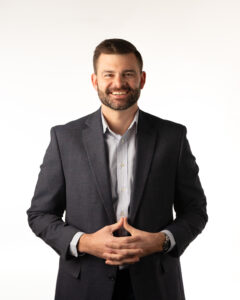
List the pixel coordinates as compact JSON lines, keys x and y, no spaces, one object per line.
{"x":191,"y":52}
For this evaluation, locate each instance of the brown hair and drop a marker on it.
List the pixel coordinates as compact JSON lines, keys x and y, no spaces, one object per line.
{"x":116,"y":46}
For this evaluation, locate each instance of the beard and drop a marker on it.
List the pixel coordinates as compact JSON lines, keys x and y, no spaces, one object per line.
{"x":131,"y":98}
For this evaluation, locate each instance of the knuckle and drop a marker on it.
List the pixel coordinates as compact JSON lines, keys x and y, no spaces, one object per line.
{"x":119,"y":257}
{"x":110,"y":244}
{"x":124,"y":252}
{"x":117,"y":246}
{"x":129,"y":240}
{"x":106,"y":243}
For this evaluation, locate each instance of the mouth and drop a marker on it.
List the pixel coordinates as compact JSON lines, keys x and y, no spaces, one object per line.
{"x":119,"y":93}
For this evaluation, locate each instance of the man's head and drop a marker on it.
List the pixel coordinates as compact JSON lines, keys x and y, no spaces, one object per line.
{"x":118,"y":76}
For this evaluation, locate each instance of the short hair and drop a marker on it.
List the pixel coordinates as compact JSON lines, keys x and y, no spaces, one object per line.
{"x":116,"y":46}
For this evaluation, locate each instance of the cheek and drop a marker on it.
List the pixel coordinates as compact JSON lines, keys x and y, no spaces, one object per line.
{"x":102,"y":87}
{"x":135,"y":84}
{"x":103,"y":83}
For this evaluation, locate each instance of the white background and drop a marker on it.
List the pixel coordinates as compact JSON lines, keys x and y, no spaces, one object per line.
{"x":191,"y":51}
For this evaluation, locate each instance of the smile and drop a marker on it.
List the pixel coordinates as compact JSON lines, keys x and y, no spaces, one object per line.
{"x":119,"y":93}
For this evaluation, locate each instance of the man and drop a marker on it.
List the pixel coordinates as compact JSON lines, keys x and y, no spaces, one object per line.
{"x":118,"y":173}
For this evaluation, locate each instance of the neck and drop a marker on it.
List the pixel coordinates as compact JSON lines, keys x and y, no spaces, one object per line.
{"x":119,"y":120}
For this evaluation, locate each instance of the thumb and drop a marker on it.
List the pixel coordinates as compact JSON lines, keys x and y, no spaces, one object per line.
{"x":128,"y":227}
{"x":117,"y":225}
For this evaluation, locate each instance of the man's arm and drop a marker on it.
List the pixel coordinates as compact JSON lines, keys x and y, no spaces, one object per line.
{"x":49,"y":202}
{"x":190,"y":201}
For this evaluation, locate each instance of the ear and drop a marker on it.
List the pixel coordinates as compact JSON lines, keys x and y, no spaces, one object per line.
{"x":94,"y":80}
{"x":143,"y":79}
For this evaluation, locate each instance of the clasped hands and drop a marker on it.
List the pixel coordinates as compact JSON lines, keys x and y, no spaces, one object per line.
{"x":121,"y":250}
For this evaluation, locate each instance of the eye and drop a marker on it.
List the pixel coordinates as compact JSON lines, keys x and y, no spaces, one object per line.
{"x":108,"y":75}
{"x":128,"y":74}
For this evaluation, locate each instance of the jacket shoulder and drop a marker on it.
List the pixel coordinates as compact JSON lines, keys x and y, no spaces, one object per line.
{"x":163,"y":124}
{"x":74,"y":124}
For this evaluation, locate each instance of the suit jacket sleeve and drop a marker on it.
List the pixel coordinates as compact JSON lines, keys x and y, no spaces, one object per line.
{"x":190,"y":201}
{"x":49,"y":202}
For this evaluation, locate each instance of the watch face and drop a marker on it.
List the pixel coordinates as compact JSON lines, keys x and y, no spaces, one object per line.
{"x":166,"y":244}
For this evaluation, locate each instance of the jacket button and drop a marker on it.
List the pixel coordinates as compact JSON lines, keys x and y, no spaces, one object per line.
{"x":111,"y":277}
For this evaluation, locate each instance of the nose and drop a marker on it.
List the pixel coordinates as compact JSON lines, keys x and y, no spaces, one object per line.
{"x":118,"y":81}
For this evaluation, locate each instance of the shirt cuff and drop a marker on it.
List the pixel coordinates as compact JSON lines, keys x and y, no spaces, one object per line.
{"x":74,"y":243}
{"x":171,"y":238}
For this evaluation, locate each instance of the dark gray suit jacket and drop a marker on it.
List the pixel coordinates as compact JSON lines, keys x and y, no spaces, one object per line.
{"x":75,"y":178}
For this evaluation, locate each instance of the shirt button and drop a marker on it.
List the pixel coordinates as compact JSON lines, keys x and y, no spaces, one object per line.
{"x":122,"y":165}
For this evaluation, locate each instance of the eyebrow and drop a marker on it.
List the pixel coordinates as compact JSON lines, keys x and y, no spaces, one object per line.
{"x":124,"y":71}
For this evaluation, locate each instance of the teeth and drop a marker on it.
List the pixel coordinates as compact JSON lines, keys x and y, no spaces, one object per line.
{"x":119,"y":93}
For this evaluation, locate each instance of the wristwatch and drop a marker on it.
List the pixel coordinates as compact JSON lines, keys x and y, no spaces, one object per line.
{"x":166,"y":244}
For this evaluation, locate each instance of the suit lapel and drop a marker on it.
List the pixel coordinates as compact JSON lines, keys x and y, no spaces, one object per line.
{"x":95,"y":147}
{"x":146,"y":139}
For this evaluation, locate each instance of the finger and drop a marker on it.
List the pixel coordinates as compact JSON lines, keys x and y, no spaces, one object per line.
{"x":127,"y":261}
{"x":117,"y":225}
{"x":129,"y":242}
{"x":128,"y":227}
{"x":122,"y":254}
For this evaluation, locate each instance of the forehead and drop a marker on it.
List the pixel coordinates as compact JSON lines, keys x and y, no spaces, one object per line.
{"x":117,"y":62}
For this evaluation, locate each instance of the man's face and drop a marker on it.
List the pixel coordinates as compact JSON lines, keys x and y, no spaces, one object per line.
{"x":118,"y":80}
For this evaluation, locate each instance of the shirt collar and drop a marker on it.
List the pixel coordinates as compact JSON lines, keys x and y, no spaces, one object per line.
{"x":106,"y":127}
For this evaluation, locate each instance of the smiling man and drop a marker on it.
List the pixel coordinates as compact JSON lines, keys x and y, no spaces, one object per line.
{"x":117,"y":174}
